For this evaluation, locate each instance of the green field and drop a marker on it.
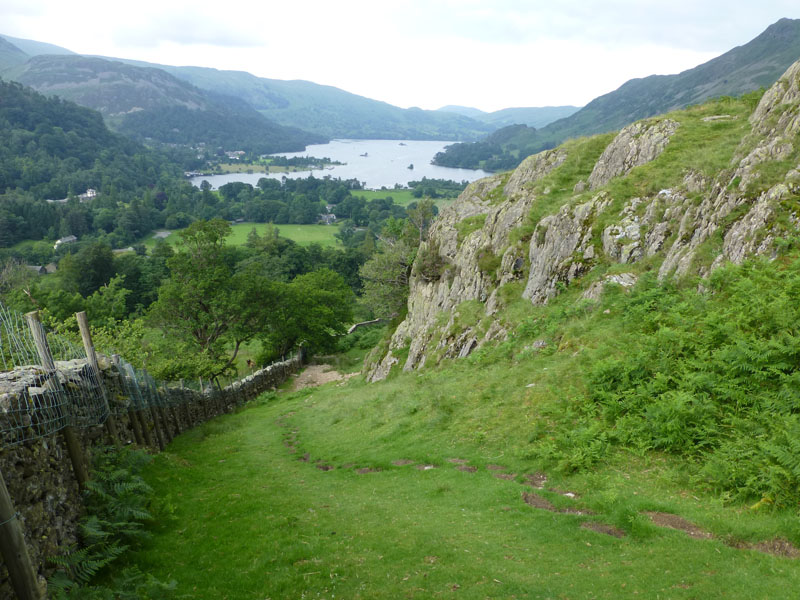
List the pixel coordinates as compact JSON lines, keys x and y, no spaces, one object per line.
{"x":302,"y":234}
{"x":401,"y":197}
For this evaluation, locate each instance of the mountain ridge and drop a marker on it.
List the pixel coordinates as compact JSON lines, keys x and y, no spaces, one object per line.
{"x":149,"y":103}
{"x":757,"y":63}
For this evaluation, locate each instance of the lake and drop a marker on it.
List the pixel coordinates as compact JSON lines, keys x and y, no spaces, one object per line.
{"x":375,"y":163}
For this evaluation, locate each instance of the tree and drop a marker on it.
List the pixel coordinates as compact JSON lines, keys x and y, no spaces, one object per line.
{"x":386,"y":273}
{"x":204,"y":302}
{"x":311,"y":311}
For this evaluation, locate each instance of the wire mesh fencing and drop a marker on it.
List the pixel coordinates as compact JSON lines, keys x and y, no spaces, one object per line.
{"x":38,"y":401}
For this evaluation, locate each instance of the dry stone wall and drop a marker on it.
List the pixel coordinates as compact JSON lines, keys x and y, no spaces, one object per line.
{"x":38,"y":472}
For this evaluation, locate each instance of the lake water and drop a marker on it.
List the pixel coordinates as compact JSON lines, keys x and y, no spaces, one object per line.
{"x":375,"y":163}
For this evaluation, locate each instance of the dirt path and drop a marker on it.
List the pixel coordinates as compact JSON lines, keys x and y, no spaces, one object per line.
{"x":315,"y":375}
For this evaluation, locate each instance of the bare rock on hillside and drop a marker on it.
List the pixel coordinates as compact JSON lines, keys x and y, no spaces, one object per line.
{"x":635,"y":145}
{"x":561,"y":248}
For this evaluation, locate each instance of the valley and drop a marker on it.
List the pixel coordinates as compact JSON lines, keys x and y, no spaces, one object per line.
{"x":573,"y":374}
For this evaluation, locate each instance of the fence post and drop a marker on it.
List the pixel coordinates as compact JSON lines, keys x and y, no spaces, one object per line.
{"x":154,"y":415}
{"x":172,"y":410}
{"x":15,"y":552}
{"x":91,"y":356}
{"x":203,"y":400}
{"x":162,"y":413}
{"x":187,"y":413}
{"x":46,"y":357}
{"x":132,"y":417}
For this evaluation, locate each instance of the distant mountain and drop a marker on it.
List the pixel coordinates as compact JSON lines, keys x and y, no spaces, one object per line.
{"x":32,"y":48}
{"x":759,"y":63}
{"x":532,"y":117}
{"x":148,"y":103}
{"x":467,"y":111}
{"x":11,"y":55}
{"x":327,"y":110}
{"x":324,"y":110}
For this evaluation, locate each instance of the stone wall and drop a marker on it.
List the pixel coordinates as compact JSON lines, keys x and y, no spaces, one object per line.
{"x":38,"y":472}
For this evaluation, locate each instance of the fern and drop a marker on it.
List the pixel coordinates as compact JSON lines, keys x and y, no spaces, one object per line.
{"x":116,"y":501}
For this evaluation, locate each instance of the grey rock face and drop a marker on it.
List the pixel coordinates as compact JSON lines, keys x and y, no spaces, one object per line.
{"x":561,"y":248}
{"x":636,"y":145}
{"x":431,"y":305}
{"x":677,"y":223}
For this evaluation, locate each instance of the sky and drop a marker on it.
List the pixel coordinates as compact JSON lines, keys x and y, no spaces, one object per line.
{"x":487,"y":54}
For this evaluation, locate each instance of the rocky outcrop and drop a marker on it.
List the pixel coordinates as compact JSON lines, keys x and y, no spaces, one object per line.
{"x":776,"y":123}
{"x":636,"y":145}
{"x":561,"y":249}
{"x":463,"y":248}
{"x":699,"y":222}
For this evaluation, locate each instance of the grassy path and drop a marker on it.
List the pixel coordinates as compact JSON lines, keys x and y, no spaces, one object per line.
{"x":248,"y":510}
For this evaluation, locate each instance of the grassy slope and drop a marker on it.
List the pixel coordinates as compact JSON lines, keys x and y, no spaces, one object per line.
{"x":243,"y":518}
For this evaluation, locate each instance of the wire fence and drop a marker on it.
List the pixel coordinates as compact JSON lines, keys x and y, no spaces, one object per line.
{"x":36,"y":402}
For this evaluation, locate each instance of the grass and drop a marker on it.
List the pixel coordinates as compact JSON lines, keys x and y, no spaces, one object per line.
{"x":400,"y":197}
{"x":235,"y":500}
{"x":302,"y":234}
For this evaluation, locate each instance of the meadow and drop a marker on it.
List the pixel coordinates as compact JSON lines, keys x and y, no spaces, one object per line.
{"x":400,"y":197}
{"x":302,"y":234}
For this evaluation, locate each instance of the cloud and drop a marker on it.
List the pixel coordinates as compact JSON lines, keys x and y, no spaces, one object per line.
{"x":687,"y":24}
{"x":184,"y":28}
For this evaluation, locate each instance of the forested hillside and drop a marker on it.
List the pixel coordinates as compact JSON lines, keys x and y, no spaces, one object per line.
{"x":329,"y":111}
{"x":148,"y":104}
{"x":51,"y":148}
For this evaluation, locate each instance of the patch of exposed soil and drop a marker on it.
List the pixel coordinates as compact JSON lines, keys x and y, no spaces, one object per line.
{"x":425,"y":467}
{"x":322,"y":467}
{"x":457,"y":461}
{"x":467,"y":468}
{"x":536,"y":480}
{"x":675,"y":522}
{"x":506,"y":476}
{"x":366,"y":470}
{"x":564,"y":493}
{"x":537,"y":502}
{"x":315,"y":375}
{"x":776,"y":547}
{"x":402,"y":462}
{"x":495,"y":467}
{"x":603,"y":528}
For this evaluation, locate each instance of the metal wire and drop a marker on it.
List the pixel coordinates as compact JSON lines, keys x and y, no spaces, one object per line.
{"x":35,"y":402}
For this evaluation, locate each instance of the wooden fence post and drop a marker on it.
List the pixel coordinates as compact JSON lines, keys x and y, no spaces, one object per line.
{"x":162,"y":413}
{"x":203,"y":400}
{"x":73,"y":445}
{"x":172,"y":411}
{"x":133,"y":414}
{"x":15,"y":552}
{"x":91,"y":356}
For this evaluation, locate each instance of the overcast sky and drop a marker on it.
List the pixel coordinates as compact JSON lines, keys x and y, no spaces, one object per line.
{"x":489,"y":54}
